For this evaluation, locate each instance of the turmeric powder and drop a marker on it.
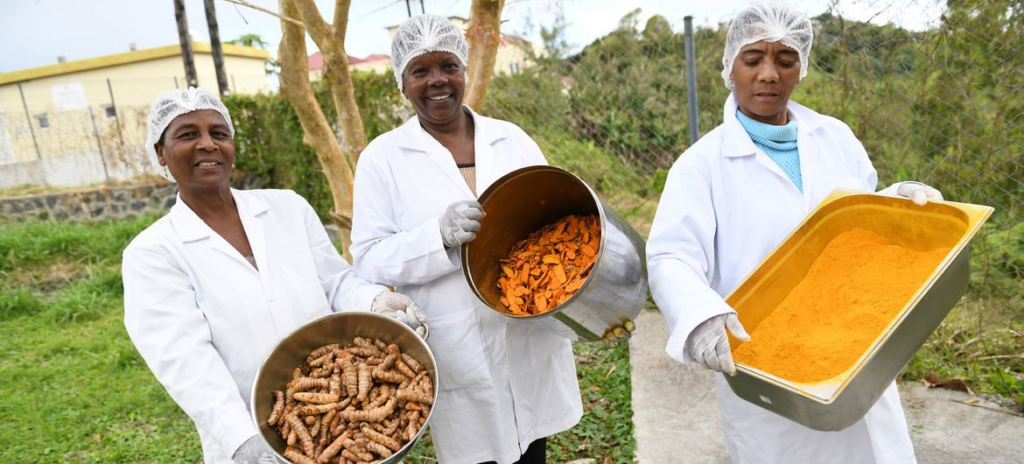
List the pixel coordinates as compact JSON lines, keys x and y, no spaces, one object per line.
{"x":850,"y":294}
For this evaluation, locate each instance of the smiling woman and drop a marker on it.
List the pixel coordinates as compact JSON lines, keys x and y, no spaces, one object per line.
{"x":729,"y":200}
{"x":210,"y":288}
{"x":198,"y":150}
{"x":505,"y":385}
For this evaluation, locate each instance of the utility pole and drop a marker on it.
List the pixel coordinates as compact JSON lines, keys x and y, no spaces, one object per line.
{"x":691,"y":80}
{"x":218,"y":51}
{"x":186,"y":44}
{"x":423,"y":7}
{"x":408,"y":9}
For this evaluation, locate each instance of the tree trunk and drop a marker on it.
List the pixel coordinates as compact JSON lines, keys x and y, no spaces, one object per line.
{"x":186,"y":44}
{"x":215,"y":47}
{"x":331,"y":41}
{"x":298,"y":91}
{"x":484,"y":35}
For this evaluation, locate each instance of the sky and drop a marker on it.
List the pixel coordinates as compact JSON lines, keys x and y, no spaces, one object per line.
{"x":35,"y":32}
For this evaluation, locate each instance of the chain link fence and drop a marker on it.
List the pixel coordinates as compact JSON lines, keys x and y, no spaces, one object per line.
{"x":95,"y":135}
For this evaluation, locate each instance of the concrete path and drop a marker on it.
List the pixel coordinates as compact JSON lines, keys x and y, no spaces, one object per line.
{"x":675,"y":413}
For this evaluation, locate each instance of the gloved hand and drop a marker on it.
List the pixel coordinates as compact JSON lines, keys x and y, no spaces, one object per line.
{"x":460,"y":222}
{"x":709,"y":345}
{"x":254,"y":451}
{"x":401,"y":308}
{"x":918,"y":192}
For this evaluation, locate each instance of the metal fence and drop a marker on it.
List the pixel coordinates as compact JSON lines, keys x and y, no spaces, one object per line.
{"x":96,"y":139}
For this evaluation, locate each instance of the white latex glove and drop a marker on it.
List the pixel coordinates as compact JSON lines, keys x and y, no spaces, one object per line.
{"x":460,"y":222}
{"x":254,"y":451}
{"x":709,"y":345}
{"x":918,"y":192}
{"x":401,"y":308}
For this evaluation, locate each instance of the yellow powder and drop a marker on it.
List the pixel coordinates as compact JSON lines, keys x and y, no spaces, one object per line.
{"x":851,"y":293}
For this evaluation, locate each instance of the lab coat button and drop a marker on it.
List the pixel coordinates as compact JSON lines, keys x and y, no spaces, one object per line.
{"x":273,"y":297}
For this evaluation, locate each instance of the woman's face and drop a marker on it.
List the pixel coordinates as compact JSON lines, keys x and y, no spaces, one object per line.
{"x":198,"y":150}
{"x":434,"y":82}
{"x":765,"y":74}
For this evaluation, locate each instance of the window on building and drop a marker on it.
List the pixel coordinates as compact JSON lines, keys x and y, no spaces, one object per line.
{"x":44,"y":121}
{"x":513,"y":68}
{"x":110,"y":111}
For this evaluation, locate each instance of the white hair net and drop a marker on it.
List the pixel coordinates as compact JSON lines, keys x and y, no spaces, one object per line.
{"x":771,"y":22}
{"x":423,"y":34}
{"x":170,"y":105}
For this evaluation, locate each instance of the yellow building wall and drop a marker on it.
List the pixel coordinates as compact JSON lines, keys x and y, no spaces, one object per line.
{"x":134,"y":85}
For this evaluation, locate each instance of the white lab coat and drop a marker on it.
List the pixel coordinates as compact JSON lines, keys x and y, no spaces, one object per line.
{"x":725,"y":206}
{"x":503,"y":383}
{"x":204,"y":319}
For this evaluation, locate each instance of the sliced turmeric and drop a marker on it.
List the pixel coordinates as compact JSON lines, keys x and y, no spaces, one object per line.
{"x":545,"y":269}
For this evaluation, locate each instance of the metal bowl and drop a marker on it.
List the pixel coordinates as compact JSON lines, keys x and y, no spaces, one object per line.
{"x":530,"y":198}
{"x":276,"y":370}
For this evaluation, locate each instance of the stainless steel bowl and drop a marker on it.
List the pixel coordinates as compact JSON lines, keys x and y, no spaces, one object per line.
{"x":530,"y":198}
{"x":276,"y":370}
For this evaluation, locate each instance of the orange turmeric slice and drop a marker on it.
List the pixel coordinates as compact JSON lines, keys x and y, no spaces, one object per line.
{"x":546,"y":268}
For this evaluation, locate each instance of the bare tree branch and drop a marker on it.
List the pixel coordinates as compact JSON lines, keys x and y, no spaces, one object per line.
{"x":318,"y":29}
{"x":258,"y":8}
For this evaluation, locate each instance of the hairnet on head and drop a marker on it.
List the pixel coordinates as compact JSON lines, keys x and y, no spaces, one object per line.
{"x":423,"y":34}
{"x":771,"y":22}
{"x":170,"y":105}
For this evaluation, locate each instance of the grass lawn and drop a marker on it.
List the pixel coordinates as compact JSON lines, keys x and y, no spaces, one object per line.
{"x":75,"y":389}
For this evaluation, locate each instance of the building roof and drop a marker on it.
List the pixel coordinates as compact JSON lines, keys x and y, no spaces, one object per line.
{"x":119,"y":59}
{"x":316,"y":60}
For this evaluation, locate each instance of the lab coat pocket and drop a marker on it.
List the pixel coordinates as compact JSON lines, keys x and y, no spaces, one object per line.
{"x":459,"y":351}
{"x":305,"y":288}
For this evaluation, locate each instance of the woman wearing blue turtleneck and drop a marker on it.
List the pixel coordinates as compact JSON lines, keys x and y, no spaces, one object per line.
{"x":729,"y":200}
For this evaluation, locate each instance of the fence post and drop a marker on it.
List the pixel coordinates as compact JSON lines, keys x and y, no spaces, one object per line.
{"x":691,"y":80}
{"x":117,"y":116}
{"x":99,"y":144}
{"x":31,"y":130}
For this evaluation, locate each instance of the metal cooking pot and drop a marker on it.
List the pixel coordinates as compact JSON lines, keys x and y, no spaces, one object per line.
{"x":526,"y":200}
{"x":276,"y":370}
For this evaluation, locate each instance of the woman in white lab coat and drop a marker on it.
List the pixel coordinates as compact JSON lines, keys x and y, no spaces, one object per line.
{"x":504,"y":385}
{"x":210,"y":288}
{"x":733,"y":197}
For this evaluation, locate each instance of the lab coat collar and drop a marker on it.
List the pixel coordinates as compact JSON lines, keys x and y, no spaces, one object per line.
{"x":414,"y":137}
{"x":738,"y":142}
{"x":191,"y":228}
{"x":486,"y":133}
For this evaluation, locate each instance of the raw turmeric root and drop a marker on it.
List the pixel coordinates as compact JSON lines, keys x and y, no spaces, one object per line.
{"x":301,"y":433}
{"x":275,"y":413}
{"x":317,"y":398}
{"x":546,"y":268}
{"x":415,"y":396}
{"x":353,"y":404}
{"x":296,"y":457}
{"x":383,"y":439}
